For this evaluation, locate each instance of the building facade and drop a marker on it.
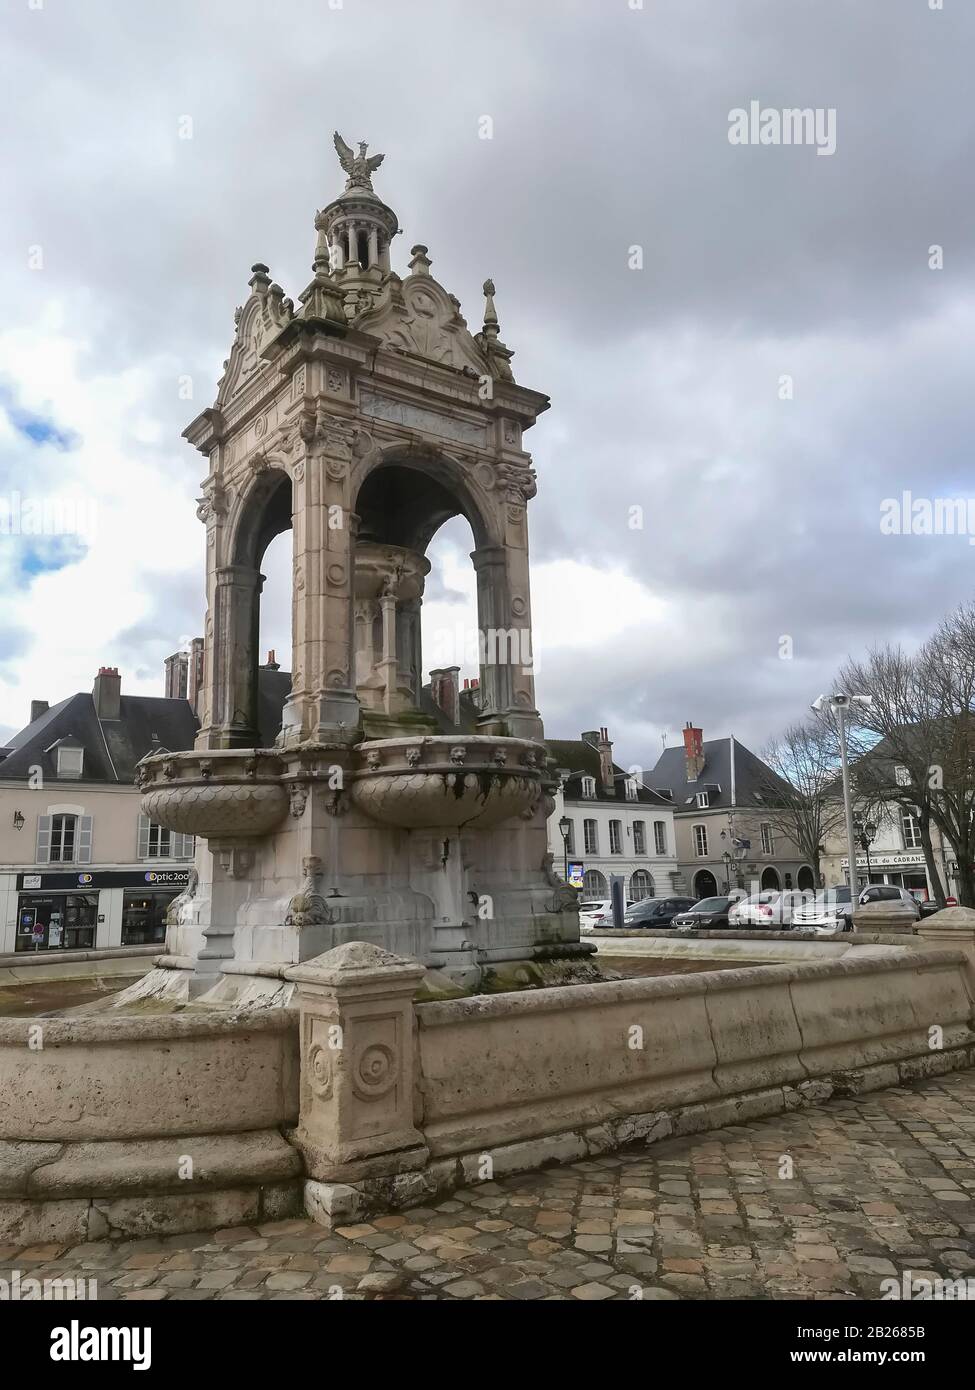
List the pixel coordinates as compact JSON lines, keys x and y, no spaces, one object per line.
{"x":729,"y":834}
{"x":894,"y":855}
{"x":616,"y":825}
{"x":80,"y":866}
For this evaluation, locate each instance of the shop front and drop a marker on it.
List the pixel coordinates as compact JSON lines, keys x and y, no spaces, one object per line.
{"x":95,"y":909}
{"x":905,"y":870}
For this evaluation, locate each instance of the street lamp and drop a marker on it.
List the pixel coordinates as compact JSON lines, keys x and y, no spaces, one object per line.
{"x":840,"y":704}
{"x":728,"y":860}
{"x":866,"y":834}
{"x":565,"y":826}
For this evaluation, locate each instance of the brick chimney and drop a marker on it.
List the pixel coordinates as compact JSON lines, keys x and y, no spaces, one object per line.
{"x":599,"y":739}
{"x":176,"y":676}
{"x":107,"y":693}
{"x":37,"y":708}
{"x":693,"y":751}
{"x":445,"y":689}
{"x":271,"y":664}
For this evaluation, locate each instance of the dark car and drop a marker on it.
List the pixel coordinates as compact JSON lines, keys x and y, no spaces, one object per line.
{"x":709,"y":912}
{"x":931,"y":905}
{"x":655,"y":912}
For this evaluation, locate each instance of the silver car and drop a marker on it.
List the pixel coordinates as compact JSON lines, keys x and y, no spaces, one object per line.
{"x":832,"y":910}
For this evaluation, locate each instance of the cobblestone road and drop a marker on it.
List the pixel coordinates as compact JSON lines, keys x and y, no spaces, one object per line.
{"x":879,"y":1185}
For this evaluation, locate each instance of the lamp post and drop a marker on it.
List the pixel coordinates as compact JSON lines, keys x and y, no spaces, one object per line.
{"x":840,"y":705}
{"x":728,"y":860}
{"x":866,"y":834}
{"x":565,"y":826}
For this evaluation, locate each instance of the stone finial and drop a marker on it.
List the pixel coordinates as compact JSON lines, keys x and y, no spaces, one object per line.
{"x":420,"y":263}
{"x":490,"y":312}
{"x":260,"y":278}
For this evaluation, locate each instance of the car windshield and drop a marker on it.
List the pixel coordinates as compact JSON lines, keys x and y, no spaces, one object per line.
{"x":711,"y":905}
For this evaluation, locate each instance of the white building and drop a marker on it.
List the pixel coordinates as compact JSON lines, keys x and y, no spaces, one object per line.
{"x":616,"y":825}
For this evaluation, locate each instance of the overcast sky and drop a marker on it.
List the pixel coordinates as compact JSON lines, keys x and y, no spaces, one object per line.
{"x":126,"y":248}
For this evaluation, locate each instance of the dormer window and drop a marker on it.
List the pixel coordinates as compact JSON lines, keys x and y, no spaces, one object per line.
{"x":589,"y":788}
{"x":70,"y":760}
{"x":701,"y":800}
{"x":632,"y":792}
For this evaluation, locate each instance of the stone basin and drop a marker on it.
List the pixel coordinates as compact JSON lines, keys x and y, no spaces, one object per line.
{"x":443,"y":781}
{"x":216,"y":793}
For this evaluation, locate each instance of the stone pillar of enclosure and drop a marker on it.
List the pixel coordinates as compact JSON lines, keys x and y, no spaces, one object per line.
{"x":953,"y":927}
{"x":884,"y":917}
{"x":357,"y":1067}
{"x":233,"y":658}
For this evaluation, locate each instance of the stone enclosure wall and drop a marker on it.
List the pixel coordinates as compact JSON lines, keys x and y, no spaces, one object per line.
{"x":470,"y":1088}
{"x":362,"y":1097}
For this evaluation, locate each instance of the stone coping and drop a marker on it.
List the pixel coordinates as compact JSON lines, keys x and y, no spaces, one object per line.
{"x":29,"y":958}
{"x":101,"y":1028}
{"x":734,"y":934}
{"x":583,"y":996}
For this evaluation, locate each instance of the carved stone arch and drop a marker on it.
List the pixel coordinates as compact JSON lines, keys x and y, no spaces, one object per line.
{"x":261,"y":511}
{"x":426,"y":486}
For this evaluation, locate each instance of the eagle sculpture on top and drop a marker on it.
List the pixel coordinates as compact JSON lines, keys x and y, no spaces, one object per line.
{"x":359,"y":169}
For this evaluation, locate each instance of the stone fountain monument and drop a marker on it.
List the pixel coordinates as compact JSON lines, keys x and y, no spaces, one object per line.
{"x":363,"y":420}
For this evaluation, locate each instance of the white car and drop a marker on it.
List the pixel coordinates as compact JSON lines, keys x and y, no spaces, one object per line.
{"x":771,"y":908}
{"x":597,"y":912}
{"x":829,"y":911}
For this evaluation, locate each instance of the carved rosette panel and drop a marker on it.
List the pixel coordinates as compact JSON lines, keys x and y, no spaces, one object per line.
{"x":375,"y":1071}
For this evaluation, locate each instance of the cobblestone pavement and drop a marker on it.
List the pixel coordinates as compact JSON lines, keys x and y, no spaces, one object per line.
{"x":879,"y":1185}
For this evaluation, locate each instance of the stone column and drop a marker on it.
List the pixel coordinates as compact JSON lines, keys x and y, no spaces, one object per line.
{"x":388,"y":663}
{"x":352,"y":232}
{"x":338,"y":704}
{"x":373,"y":246}
{"x":524,"y":720}
{"x":493,"y":621}
{"x":233,"y":657}
{"x":357,"y":1069}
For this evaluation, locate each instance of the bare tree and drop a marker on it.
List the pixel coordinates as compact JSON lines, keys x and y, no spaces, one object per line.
{"x":897,"y":742}
{"x":800,"y":790}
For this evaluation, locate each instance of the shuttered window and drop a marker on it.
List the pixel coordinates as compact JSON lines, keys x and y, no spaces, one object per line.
{"x":158,"y":842}
{"x":43,"y":855}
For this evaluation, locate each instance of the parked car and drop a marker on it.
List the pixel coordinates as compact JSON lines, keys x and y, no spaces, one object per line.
{"x":709,"y":912}
{"x":771,"y":908}
{"x":830,"y":910}
{"x":655,"y":912}
{"x":931,"y":905}
{"x":597,"y":912}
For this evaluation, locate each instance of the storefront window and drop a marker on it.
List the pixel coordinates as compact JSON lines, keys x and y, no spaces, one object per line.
{"x":59,"y":922}
{"x":144,"y":917}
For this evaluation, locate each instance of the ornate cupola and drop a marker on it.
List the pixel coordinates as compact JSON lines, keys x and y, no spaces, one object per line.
{"x":354,"y":231}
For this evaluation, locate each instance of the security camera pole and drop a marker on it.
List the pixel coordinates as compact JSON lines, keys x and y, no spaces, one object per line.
{"x":840,"y":705}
